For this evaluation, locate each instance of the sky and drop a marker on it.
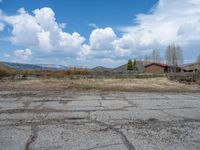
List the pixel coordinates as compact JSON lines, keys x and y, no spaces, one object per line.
{"x":89,"y":33}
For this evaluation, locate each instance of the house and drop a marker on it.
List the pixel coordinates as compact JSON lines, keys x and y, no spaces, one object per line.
{"x":160,"y":68}
{"x":193,"y":67}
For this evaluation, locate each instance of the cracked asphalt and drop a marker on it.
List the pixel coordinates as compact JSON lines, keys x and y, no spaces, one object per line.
{"x":31,"y":120}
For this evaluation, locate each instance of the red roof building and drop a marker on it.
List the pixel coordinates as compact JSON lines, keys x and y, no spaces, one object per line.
{"x":160,"y":68}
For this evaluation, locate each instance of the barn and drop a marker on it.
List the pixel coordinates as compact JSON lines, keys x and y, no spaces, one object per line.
{"x":159,"y":68}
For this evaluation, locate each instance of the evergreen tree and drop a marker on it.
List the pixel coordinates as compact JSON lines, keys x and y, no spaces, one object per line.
{"x":130,"y":65}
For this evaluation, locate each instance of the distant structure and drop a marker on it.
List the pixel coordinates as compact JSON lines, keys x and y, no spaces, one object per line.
{"x":160,"y":68}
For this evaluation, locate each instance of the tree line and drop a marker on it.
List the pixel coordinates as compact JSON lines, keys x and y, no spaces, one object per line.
{"x":173,"y":57}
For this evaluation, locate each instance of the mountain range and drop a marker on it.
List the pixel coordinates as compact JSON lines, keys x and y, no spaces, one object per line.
{"x":21,"y":66}
{"x":122,"y":68}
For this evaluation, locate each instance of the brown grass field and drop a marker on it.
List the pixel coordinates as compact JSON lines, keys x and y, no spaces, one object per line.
{"x":160,"y":84}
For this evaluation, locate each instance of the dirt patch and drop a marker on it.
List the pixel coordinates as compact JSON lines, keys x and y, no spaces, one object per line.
{"x":161,"y":84}
{"x":134,"y":85}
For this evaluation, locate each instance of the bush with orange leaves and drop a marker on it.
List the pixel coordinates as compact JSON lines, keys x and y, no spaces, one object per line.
{"x":56,"y":73}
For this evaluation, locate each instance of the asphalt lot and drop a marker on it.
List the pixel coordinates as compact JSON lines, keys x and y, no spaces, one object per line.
{"x":99,"y":121}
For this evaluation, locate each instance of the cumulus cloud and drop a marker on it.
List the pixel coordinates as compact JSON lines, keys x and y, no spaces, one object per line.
{"x":101,"y":44}
{"x":25,"y":28}
{"x":23,"y":54}
{"x":62,"y":25}
{"x":163,"y":25}
{"x":101,"y":39}
{"x":104,"y":43}
{"x":167,"y":24}
{"x":2,"y":26}
{"x":41,"y":31}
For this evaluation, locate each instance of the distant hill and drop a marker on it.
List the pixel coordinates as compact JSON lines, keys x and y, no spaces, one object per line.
{"x":6,"y":70}
{"x":4,"y":66}
{"x":191,"y":66}
{"x":20,"y":66}
{"x":122,"y":68}
{"x":101,"y":69}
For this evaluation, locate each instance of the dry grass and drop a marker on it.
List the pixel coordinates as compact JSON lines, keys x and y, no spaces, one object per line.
{"x":135,"y":85}
{"x":34,"y":85}
{"x":149,"y":85}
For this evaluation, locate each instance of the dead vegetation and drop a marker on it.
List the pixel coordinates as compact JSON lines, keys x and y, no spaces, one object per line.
{"x":187,"y":78}
{"x":5,"y":71}
{"x":139,"y":85}
{"x":10,"y":73}
{"x":161,"y":84}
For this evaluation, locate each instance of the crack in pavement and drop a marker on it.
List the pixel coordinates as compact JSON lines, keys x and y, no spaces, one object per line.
{"x":42,"y":117}
{"x":102,"y":96}
{"x":129,"y":102}
{"x":174,"y":108}
{"x":26,"y":104}
{"x":102,"y":99}
{"x":25,"y":122}
{"x":124,"y":139}
{"x":179,"y":127}
{"x":45,"y":110}
{"x":33,"y":136}
{"x":104,"y":146}
{"x":175,"y":116}
{"x":84,"y":120}
{"x":99,"y":101}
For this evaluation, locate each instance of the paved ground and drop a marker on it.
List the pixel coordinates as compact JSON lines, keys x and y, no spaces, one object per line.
{"x":99,"y":121}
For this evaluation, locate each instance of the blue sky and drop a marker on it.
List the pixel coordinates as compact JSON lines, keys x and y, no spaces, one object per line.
{"x":89,"y":33}
{"x":79,"y":13}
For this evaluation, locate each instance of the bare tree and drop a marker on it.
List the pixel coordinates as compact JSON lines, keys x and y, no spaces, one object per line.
{"x":155,"y":56}
{"x":140,"y":64}
{"x":179,"y":55}
{"x":147,"y":59}
{"x":174,"y":56}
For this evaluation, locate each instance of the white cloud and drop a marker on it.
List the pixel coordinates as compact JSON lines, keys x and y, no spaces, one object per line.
{"x":195,"y":1}
{"x":85,"y":51}
{"x":101,"y":44}
{"x":41,"y":31}
{"x":71,"y":41}
{"x":93,"y":25}
{"x":62,"y":25}
{"x":23,"y":54}
{"x":6,"y":55}
{"x":163,"y":25}
{"x":101,"y":39}
{"x":25,"y":28}
{"x":44,"y":40}
{"x":104,"y":43}
{"x":167,"y":24}
{"x":22,"y":10}
{"x":2,"y":26}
